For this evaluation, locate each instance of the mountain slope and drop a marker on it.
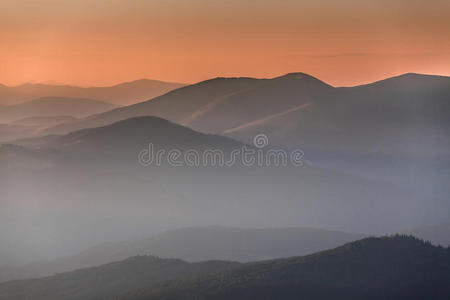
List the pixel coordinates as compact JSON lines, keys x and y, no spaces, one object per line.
{"x":402,"y":115}
{"x":174,"y":106}
{"x":121,"y":94}
{"x":219,"y":104}
{"x":373,"y":268}
{"x":396,"y":267}
{"x":112,"y":279}
{"x":122,"y":141}
{"x":390,"y":117}
{"x":196,"y":244}
{"x":271,"y":97}
{"x":99,"y":178}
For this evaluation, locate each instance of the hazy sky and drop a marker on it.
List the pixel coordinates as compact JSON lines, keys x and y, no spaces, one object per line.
{"x":101,"y":42}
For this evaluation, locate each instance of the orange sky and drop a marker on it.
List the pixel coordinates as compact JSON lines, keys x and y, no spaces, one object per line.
{"x":102,"y":42}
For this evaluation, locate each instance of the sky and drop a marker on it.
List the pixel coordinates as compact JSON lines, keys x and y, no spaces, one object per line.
{"x":104,"y":42}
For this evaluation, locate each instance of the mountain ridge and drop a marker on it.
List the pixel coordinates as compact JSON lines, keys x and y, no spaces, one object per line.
{"x":196,"y":244}
{"x":125,"y":93}
{"x":336,"y":113}
{"x":52,"y":107}
{"x":371,"y":268}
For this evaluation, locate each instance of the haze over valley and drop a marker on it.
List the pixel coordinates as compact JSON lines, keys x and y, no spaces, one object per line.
{"x":60,"y":185}
{"x":234,"y":150}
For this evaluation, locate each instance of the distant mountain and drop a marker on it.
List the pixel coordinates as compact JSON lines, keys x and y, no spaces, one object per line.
{"x":271,"y":98}
{"x":32,"y":118}
{"x":405,"y":115}
{"x":175,"y":106}
{"x":121,"y":94}
{"x":196,"y":244}
{"x":98,"y":171}
{"x":43,"y":122}
{"x":391,"y":117}
{"x":29,"y":126}
{"x":52,"y":107}
{"x":373,"y":268}
{"x":436,"y":234}
{"x":109,"y":280}
{"x":219,"y":104}
{"x":397,"y":267}
{"x":122,"y":141}
{"x":243,"y":244}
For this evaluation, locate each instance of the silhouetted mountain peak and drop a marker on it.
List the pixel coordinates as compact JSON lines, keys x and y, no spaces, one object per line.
{"x":121,"y":93}
{"x":412,"y":81}
{"x":300,"y":77}
{"x":145,"y":129}
{"x":221,"y":80}
{"x":398,"y":243}
{"x":144,"y":82}
{"x":296,"y":75}
{"x":123,"y":140}
{"x":133,"y":130}
{"x":419,"y":75}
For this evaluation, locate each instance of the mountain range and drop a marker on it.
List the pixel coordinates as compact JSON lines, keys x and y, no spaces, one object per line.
{"x":374,"y":268}
{"x":122,"y":141}
{"x":402,"y":115}
{"x":31,"y":118}
{"x":121,"y":94}
{"x":53,"y":107}
{"x":76,"y":194}
{"x":397,"y":267}
{"x":81,"y":183}
{"x":112,"y":279}
{"x":371,"y":153}
{"x":195,"y":244}
{"x":394,"y":130}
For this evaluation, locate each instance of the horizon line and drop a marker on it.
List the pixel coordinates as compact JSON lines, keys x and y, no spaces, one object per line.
{"x":56,"y":84}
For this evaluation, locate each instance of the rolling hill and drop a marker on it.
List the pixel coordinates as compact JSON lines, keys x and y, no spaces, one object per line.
{"x":405,"y":115}
{"x":219,"y":104}
{"x":397,"y":267}
{"x":112,"y":279}
{"x":122,"y":141}
{"x":174,"y":106}
{"x":394,"y":130}
{"x":80,"y":184}
{"x":121,"y":94}
{"x":375,"y":268}
{"x":195,"y":244}
{"x":391,"y":117}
